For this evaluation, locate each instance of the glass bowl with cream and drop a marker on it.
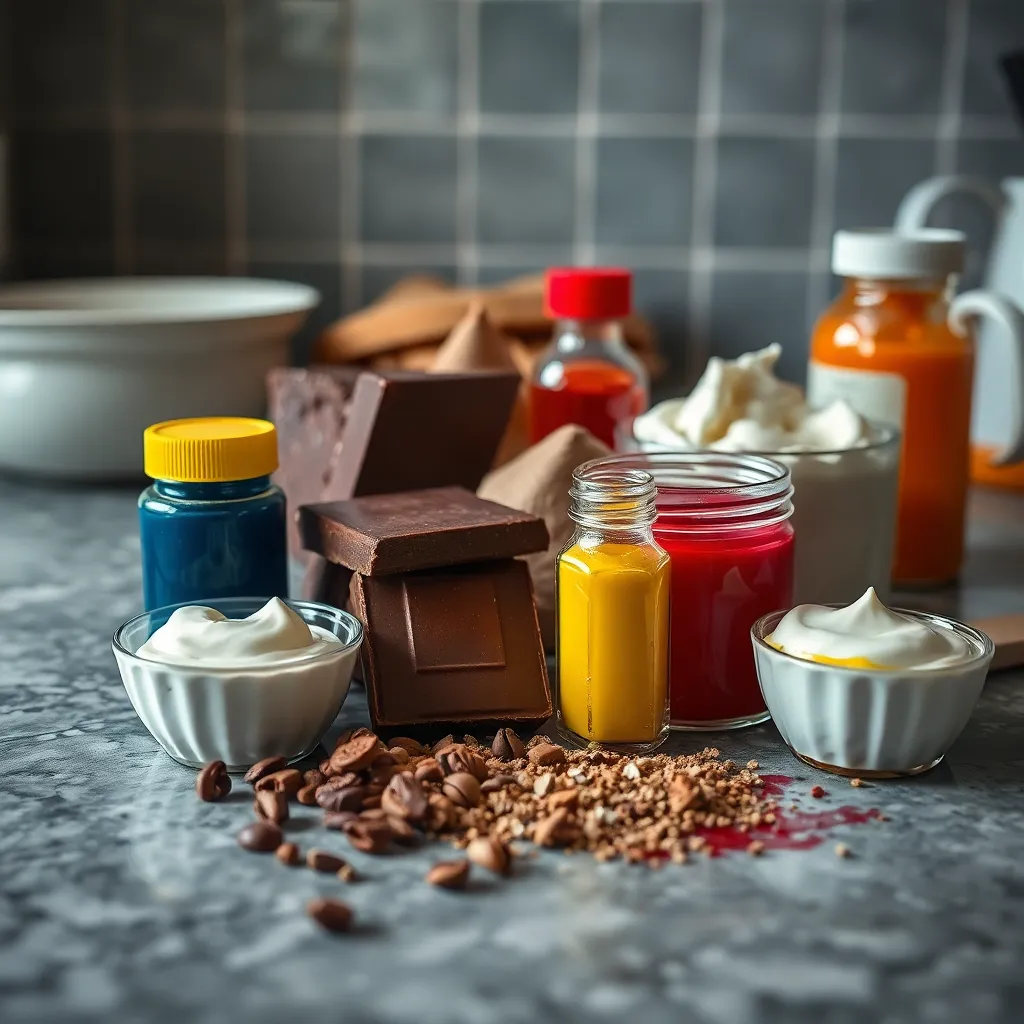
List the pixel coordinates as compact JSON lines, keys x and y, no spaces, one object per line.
{"x":239,"y":680}
{"x":844,"y":468}
{"x":867,"y":690}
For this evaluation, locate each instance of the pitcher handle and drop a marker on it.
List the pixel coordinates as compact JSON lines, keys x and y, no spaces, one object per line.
{"x":981,"y":304}
{"x":917,"y":205}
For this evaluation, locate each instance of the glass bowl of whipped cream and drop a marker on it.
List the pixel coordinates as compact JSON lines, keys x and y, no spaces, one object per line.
{"x":870,"y":691}
{"x":238,"y":679}
{"x":844,"y":468}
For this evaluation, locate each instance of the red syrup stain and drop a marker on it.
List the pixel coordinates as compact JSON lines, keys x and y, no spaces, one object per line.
{"x":792,"y":830}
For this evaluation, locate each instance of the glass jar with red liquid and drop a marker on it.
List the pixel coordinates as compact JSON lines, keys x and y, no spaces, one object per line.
{"x":587,"y":375}
{"x":723,"y":518}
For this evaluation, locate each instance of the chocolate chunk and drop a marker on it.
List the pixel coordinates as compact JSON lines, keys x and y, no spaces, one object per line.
{"x":213,"y":782}
{"x":449,"y":874}
{"x":507,"y":746}
{"x":332,"y":915}
{"x":458,"y":645}
{"x":261,"y":769}
{"x":390,"y":533}
{"x":260,"y":837}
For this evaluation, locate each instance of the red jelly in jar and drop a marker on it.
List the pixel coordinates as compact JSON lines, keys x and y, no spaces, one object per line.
{"x":587,"y":375}
{"x":723,"y":518}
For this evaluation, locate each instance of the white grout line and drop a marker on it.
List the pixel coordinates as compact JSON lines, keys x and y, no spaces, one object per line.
{"x":585,"y":214}
{"x":467,"y":131}
{"x":351,"y":282}
{"x":826,"y":155}
{"x":121,"y":183}
{"x":954,"y":63}
{"x":234,"y":142}
{"x":705,"y":167}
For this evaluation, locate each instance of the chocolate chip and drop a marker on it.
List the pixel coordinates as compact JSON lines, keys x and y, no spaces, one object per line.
{"x":287,"y":780}
{"x":405,"y":798}
{"x":428,"y":770}
{"x":272,"y":805}
{"x":449,"y":874}
{"x":462,"y":789}
{"x":213,"y":782}
{"x":489,"y":853}
{"x":348,"y":799}
{"x":547,"y":754}
{"x":260,"y":837}
{"x":357,"y":753}
{"x":263,"y":768}
{"x":288,"y":853}
{"x":507,"y":746}
{"x":321,"y":860}
{"x":307,"y":796}
{"x":369,"y":836}
{"x":333,"y":915}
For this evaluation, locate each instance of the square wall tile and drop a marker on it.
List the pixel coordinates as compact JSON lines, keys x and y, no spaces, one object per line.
{"x":292,"y":189}
{"x":38,"y":261}
{"x":62,"y":188}
{"x":771,"y":56}
{"x":873,"y":175}
{"x":750,"y":310}
{"x":292,"y":54}
{"x":174,"y":55}
{"x":407,"y":189}
{"x":995,"y":27}
{"x":178,"y":187}
{"x":662,"y":297}
{"x":527,"y":190}
{"x":377,"y":279}
{"x":644,"y":191}
{"x":650,"y":57}
{"x":326,"y":279}
{"x":406,"y":55}
{"x":529,"y":56}
{"x":59,"y":56}
{"x":763,"y":191}
{"x":892,"y":56}
{"x":155,"y":258}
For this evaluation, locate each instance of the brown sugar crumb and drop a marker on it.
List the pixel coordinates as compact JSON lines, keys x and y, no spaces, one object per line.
{"x":856,"y":783}
{"x":753,"y":765}
{"x":842,"y":850}
{"x":817,"y":792}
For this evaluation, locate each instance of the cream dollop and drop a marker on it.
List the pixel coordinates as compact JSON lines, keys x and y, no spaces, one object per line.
{"x":866,"y":634}
{"x":739,"y":405}
{"x":275,"y":634}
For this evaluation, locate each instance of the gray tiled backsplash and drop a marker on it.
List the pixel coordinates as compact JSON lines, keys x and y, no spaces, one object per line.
{"x":350,"y":142}
{"x":406,"y":55}
{"x":407,"y":188}
{"x":771,"y":56}
{"x":175,"y":55}
{"x":325,"y":278}
{"x":529,"y":56}
{"x":649,"y":57}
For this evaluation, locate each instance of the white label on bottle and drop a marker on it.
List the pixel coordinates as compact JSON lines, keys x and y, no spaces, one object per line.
{"x":881,"y":397}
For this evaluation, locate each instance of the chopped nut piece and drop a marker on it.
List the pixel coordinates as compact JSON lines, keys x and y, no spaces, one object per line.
{"x":756,"y":848}
{"x":856,"y":783}
{"x":631,"y":771}
{"x":842,"y":850}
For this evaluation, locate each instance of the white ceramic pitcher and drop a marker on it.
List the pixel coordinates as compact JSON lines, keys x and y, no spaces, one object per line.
{"x":997,"y":417}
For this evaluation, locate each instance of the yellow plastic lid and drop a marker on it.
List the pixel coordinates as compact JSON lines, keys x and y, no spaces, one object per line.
{"x":210,"y":449}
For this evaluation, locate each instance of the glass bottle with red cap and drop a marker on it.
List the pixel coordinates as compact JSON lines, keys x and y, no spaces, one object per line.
{"x":587,"y":375}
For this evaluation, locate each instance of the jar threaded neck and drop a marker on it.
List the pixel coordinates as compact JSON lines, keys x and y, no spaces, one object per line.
{"x":612,"y":498}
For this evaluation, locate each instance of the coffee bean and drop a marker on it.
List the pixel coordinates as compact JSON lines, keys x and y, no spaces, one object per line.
{"x":412,"y":747}
{"x":369,"y":836}
{"x":287,"y":781}
{"x":449,"y":874}
{"x":507,"y":746}
{"x":313,"y":777}
{"x":341,"y":781}
{"x":355,"y":754}
{"x":496,"y":782}
{"x":213,"y":782}
{"x":261,"y":769}
{"x":333,"y":915}
{"x":260,"y":837}
{"x":272,"y":805}
{"x":339,"y":820}
{"x":547,"y":754}
{"x":405,"y":798}
{"x":400,"y":754}
{"x":307,"y":796}
{"x":401,"y":830}
{"x":428,"y":770}
{"x":321,"y":860}
{"x":324,"y":767}
{"x":459,"y":758}
{"x":489,"y":853}
{"x":348,"y":799}
{"x":442,"y":744}
{"x":462,"y":789}
{"x":288,"y":853}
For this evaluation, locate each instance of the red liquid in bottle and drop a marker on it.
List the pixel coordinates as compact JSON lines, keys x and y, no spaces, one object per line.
{"x":722,"y":582}
{"x":591,"y":393}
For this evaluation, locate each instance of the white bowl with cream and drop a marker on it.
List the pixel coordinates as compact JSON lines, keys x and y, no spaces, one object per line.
{"x":867,"y":690}
{"x":844,"y":469}
{"x":239,"y":680}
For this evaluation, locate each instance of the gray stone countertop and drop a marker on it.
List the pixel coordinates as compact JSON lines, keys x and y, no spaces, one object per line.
{"x":123,"y":898}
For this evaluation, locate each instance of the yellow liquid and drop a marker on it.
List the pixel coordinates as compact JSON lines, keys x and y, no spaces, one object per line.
{"x":824,"y":659}
{"x":613,"y":641}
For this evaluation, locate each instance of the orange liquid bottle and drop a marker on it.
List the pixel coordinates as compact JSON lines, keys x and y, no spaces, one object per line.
{"x":885,"y":347}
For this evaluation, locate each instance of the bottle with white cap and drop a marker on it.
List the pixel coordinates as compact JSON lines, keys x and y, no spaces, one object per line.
{"x":896,"y":347}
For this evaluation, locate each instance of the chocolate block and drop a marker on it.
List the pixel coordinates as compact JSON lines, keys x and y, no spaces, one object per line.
{"x":456,"y":646}
{"x":389,"y":533}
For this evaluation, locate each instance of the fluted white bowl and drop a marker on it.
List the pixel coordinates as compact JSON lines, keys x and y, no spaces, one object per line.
{"x":870,"y":722}
{"x":239,"y":716}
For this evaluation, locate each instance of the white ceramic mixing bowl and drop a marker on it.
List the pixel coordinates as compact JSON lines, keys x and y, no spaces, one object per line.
{"x":86,"y":366}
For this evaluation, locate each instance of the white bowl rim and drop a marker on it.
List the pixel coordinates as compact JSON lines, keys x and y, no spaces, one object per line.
{"x":157,"y":300}
{"x":759,"y":630}
{"x":258,"y":670}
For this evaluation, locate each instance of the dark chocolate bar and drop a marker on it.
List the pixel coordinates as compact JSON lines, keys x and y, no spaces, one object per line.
{"x":389,"y":533}
{"x":459,"y":646}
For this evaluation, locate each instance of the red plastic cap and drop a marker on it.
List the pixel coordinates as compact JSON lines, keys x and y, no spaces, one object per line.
{"x":588,"y":293}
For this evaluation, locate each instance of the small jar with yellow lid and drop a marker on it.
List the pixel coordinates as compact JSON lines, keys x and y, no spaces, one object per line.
{"x":212,"y":524}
